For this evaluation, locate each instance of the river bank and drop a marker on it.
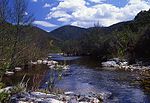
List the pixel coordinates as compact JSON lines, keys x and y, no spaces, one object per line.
{"x":43,"y":96}
{"x":86,"y":76}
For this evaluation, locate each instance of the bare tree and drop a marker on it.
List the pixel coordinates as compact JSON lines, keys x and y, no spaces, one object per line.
{"x":5,"y":14}
{"x":21,"y":18}
{"x":4,"y":10}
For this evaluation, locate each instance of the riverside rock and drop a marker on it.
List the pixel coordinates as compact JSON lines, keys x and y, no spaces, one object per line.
{"x":34,"y":63}
{"x":110,"y":64}
{"x":39,"y":61}
{"x":122,"y":64}
{"x":45,"y":61}
{"x":18,"y":68}
{"x":67,"y":97}
{"x":9,"y":73}
{"x":51,"y":62}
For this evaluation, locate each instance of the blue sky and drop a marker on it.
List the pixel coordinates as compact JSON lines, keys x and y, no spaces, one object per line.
{"x":51,"y":14}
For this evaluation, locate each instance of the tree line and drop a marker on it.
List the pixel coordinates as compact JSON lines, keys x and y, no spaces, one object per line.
{"x":128,"y":40}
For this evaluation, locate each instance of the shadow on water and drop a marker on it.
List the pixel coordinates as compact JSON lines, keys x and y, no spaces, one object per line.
{"x":34,"y":74}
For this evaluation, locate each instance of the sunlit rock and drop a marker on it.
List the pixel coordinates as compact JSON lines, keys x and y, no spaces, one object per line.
{"x":45,"y":61}
{"x":9,"y":73}
{"x":39,"y":61}
{"x":52,"y":66}
{"x":18,"y":68}
{"x":110,"y":64}
{"x":34,"y":63}
{"x":51,"y":62}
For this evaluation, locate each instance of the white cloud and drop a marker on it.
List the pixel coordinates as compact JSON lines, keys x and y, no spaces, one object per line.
{"x":78,"y":13}
{"x":64,"y":19}
{"x":34,"y":0}
{"x":58,"y":14}
{"x":46,"y":5}
{"x":97,"y":1}
{"x":44,"y":24}
{"x":135,"y":1}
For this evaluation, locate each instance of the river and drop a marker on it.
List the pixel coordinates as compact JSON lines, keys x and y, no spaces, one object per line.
{"x":86,"y":75}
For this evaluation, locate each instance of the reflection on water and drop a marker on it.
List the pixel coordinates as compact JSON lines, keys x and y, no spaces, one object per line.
{"x":86,"y":75}
{"x":35,"y":74}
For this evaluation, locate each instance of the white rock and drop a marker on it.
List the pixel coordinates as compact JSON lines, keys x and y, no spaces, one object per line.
{"x":104,"y":95}
{"x":69,"y":93}
{"x":18,"y":68}
{"x":51,"y":62}
{"x":9,"y":73}
{"x":54,"y":101}
{"x":45,"y":61}
{"x":65,"y":67}
{"x":124,"y":63}
{"x":34,"y":63}
{"x":49,"y":56}
{"x":52,"y":66}
{"x":39,"y":61}
{"x":42,"y":95}
{"x":95,"y":100}
{"x":110,"y":64}
{"x":54,"y":62}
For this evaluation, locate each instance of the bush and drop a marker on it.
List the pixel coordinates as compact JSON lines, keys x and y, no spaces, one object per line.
{"x":4,"y":97}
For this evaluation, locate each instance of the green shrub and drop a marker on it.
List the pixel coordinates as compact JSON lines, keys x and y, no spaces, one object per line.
{"x":21,"y":87}
{"x":2,"y":85}
{"x":4,"y":97}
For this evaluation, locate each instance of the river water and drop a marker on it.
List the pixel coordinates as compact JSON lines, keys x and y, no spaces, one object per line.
{"x":85,"y":75}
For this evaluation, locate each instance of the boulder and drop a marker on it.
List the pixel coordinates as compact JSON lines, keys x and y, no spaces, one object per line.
{"x":9,"y":73}
{"x":34,"y":63}
{"x":123,"y":63}
{"x":52,"y":66}
{"x":104,"y":95}
{"x":39,"y":61}
{"x":51,"y":62}
{"x":45,"y":61}
{"x":18,"y":68}
{"x":67,"y":97}
{"x":110,"y":64}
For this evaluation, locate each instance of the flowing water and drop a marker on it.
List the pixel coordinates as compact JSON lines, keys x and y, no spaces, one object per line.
{"x":85,"y":75}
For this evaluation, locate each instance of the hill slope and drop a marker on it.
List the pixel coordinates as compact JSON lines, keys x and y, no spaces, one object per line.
{"x":68,"y":32}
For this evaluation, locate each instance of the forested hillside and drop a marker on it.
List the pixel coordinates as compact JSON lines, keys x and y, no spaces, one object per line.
{"x":68,"y":32}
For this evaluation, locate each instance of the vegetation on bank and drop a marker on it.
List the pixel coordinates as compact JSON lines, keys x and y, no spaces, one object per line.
{"x":20,"y":41}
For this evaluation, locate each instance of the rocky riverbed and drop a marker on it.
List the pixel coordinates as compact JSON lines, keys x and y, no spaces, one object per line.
{"x":67,"y":97}
{"x":86,"y":77}
{"x":117,"y":63}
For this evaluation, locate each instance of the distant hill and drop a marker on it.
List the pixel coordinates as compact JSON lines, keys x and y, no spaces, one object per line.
{"x":43,"y":38}
{"x":33,"y":34}
{"x":68,"y":32}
